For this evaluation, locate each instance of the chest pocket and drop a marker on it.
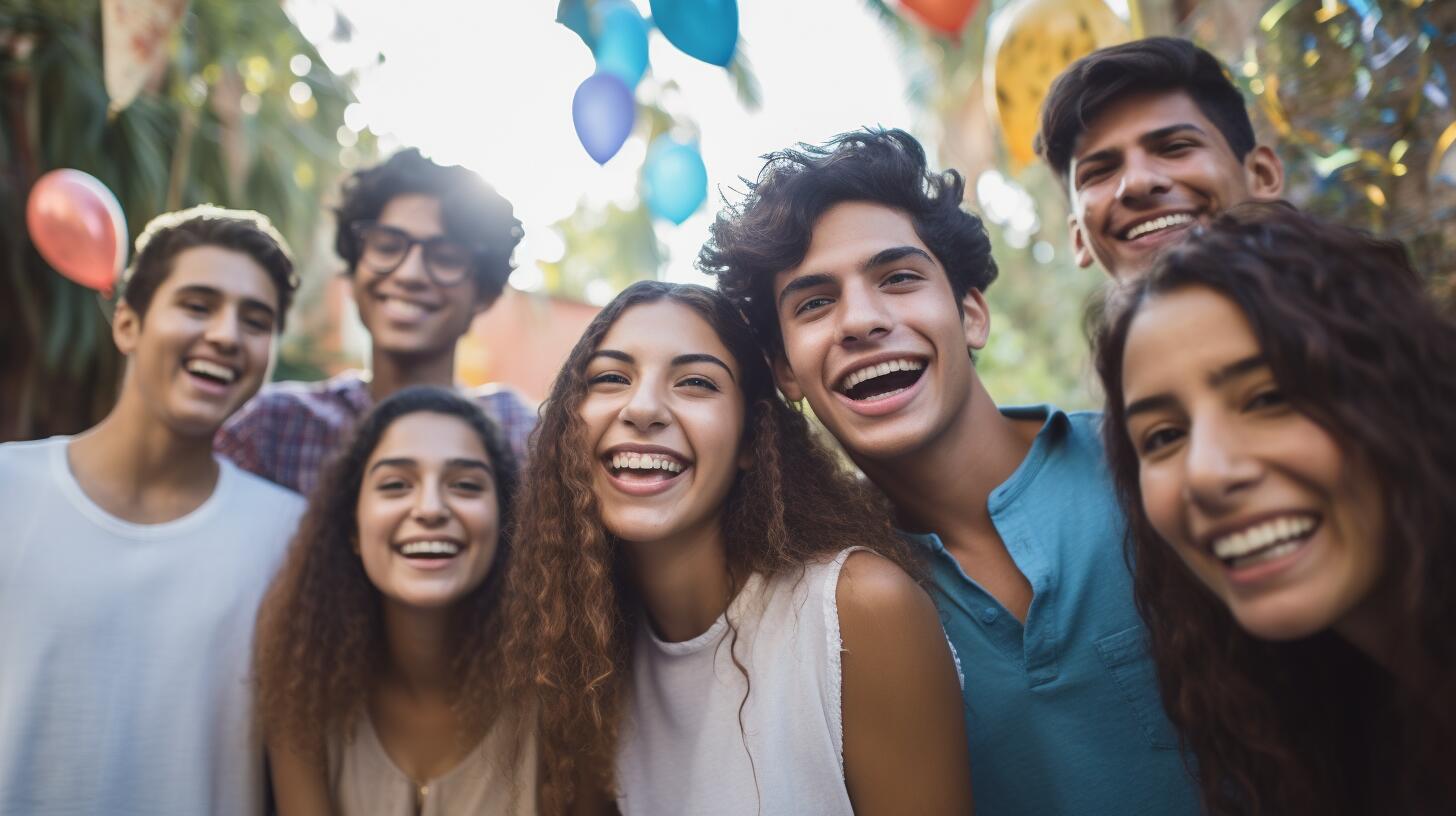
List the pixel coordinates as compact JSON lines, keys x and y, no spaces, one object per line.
{"x":1125,"y":654}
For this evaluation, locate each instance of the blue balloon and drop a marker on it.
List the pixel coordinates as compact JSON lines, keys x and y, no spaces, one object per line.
{"x":603,"y":111}
{"x":675,"y":182}
{"x":705,"y":29}
{"x":621,"y":43}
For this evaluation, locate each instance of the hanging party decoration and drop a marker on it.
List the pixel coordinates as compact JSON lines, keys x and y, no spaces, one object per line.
{"x":575,"y":15}
{"x":134,"y":35}
{"x":603,"y":111}
{"x":674,"y":179}
{"x":620,"y":41}
{"x":1031,"y":42}
{"x":77,"y":226}
{"x":945,"y":16}
{"x":704,"y":29}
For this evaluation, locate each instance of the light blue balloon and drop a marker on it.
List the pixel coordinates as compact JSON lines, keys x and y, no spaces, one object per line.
{"x":621,"y":43}
{"x":675,"y":181}
{"x":705,"y":29}
{"x":603,"y":111}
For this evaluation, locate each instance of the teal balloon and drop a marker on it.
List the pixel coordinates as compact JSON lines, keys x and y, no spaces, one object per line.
{"x":574,"y":15}
{"x":705,"y":29}
{"x":675,"y":181}
{"x":603,"y":111}
{"x":621,"y":42}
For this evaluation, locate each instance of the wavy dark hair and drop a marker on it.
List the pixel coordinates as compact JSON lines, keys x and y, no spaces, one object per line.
{"x":1355,"y":344}
{"x":571,"y":607}
{"x":320,"y":638}
{"x":1093,"y":83}
{"x":473,"y":212}
{"x":770,"y":230}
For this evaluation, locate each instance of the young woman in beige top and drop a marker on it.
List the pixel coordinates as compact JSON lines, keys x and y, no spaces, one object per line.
{"x":376,"y":644}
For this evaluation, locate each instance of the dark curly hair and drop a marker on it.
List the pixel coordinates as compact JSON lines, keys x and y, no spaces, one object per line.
{"x":473,"y":212}
{"x":1355,"y":344}
{"x":320,"y":638}
{"x":1094,"y":82}
{"x":770,"y":230}
{"x":572,"y":610}
{"x":170,"y":234}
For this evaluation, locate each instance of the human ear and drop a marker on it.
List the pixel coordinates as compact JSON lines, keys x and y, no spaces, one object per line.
{"x":1265,"y":173}
{"x":975,"y":318}
{"x":784,"y":377}
{"x":126,"y":327}
{"x":1081,"y":250}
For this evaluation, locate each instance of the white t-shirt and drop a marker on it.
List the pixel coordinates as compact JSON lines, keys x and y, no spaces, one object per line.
{"x":683,"y":750}
{"x":125,"y":649}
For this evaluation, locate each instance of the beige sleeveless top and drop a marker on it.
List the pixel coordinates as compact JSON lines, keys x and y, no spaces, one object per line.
{"x":494,"y":778}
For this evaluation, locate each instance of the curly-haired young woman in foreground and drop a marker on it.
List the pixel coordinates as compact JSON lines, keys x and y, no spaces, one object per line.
{"x":378,"y":644}
{"x":1281,"y":425}
{"x":711,"y":616}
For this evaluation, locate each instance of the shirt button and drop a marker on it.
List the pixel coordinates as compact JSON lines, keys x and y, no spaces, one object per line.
{"x":988,"y":614}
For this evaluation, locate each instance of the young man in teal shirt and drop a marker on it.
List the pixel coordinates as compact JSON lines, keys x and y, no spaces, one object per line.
{"x":863,"y":279}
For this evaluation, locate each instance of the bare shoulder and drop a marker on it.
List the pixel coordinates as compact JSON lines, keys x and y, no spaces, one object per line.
{"x":875,"y":594}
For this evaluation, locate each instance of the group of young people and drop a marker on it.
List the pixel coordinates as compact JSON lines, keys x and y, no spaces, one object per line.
{"x":1229,"y":593}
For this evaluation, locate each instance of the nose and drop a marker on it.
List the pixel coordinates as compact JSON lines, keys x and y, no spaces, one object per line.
{"x":1219,"y":470}
{"x":223,"y":329}
{"x":411,"y":270}
{"x":429,"y":506}
{"x":646,"y":409}
{"x":1142,"y":178}
{"x":862,"y":314}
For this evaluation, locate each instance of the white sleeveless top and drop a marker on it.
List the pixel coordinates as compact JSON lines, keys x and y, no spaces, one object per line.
{"x":683,"y":750}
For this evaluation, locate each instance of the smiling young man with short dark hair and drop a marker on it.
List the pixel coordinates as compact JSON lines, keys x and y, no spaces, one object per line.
{"x":133,"y":559}
{"x":863,"y":279}
{"x":1148,"y":138}
{"x":428,"y":248}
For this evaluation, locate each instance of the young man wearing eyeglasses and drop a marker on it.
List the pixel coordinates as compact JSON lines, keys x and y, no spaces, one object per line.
{"x":428,"y":248}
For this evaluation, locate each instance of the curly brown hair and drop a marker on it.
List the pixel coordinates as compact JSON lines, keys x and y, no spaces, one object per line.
{"x":1355,"y":344}
{"x":571,"y":606}
{"x":320,"y":637}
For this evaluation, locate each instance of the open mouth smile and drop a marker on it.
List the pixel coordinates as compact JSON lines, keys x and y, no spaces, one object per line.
{"x":644,"y":471}
{"x":881,"y":381}
{"x":1264,"y":542}
{"x":404,"y":310}
{"x":1154,"y":226}
{"x":432,"y":553}
{"x":210,"y":375}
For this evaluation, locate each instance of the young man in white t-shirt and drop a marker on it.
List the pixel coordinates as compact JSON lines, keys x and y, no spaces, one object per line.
{"x":133,"y":560}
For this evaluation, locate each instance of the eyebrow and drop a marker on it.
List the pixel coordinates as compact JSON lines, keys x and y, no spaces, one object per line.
{"x":680,"y":360}
{"x":455,"y":462}
{"x":1235,"y":369}
{"x":885,"y":256}
{"x":1150,"y":137}
{"x":214,"y":292}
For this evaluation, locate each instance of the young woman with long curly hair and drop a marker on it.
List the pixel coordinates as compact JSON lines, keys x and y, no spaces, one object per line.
{"x":378,"y":643}
{"x":711,"y":616}
{"x":1281,"y":425}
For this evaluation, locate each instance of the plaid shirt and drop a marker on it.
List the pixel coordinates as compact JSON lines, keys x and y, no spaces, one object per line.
{"x":290,"y":429}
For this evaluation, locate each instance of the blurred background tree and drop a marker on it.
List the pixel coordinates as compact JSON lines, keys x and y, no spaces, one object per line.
{"x":241,"y":113}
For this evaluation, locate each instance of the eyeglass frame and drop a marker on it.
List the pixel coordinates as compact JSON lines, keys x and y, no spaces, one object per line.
{"x":359,"y":228}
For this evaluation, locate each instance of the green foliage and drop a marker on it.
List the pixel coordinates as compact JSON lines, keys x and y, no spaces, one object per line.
{"x":217,"y":125}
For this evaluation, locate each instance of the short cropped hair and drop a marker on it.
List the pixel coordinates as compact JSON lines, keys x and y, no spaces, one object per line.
{"x":169,"y":234}
{"x":1093,"y":83}
{"x":473,"y":212}
{"x":770,"y":230}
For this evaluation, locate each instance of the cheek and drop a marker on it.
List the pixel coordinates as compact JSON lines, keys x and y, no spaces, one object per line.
{"x":1162,"y":500}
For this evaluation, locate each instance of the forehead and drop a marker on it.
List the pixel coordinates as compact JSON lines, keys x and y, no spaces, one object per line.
{"x":664,"y":329}
{"x":428,"y":436}
{"x":1127,"y":119}
{"x":1184,"y":335}
{"x":417,"y":213}
{"x":849,"y":234}
{"x":235,"y":274}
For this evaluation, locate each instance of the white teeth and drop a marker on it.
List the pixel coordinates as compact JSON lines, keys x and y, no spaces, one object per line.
{"x":430,"y":548}
{"x":646,"y":461}
{"x":211,"y":369}
{"x":1158,"y":223}
{"x":880,"y":370}
{"x":1278,"y":531}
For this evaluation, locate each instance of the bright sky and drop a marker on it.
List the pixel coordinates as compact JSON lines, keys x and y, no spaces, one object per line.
{"x":489,"y":85}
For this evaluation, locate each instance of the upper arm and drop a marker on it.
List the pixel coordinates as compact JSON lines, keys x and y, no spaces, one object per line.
{"x":905,"y":747}
{"x":300,"y":781}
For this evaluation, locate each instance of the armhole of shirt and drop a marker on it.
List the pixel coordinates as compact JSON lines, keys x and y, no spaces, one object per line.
{"x":834,"y":675}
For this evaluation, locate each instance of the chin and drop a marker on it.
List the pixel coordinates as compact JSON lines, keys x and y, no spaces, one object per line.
{"x":1286,"y":624}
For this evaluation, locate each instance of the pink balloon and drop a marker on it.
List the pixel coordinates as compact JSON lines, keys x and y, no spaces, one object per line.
{"x":78,"y":227}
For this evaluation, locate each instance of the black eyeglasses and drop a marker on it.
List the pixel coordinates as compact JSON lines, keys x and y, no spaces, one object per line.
{"x":447,"y":261}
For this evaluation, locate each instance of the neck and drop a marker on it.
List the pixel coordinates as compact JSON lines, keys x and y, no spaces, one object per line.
{"x":943,"y":486}
{"x":684,"y":583}
{"x":417,"y":648}
{"x":392,"y":372}
{"x":1373,"y":628}
{"x":139,"y":469}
